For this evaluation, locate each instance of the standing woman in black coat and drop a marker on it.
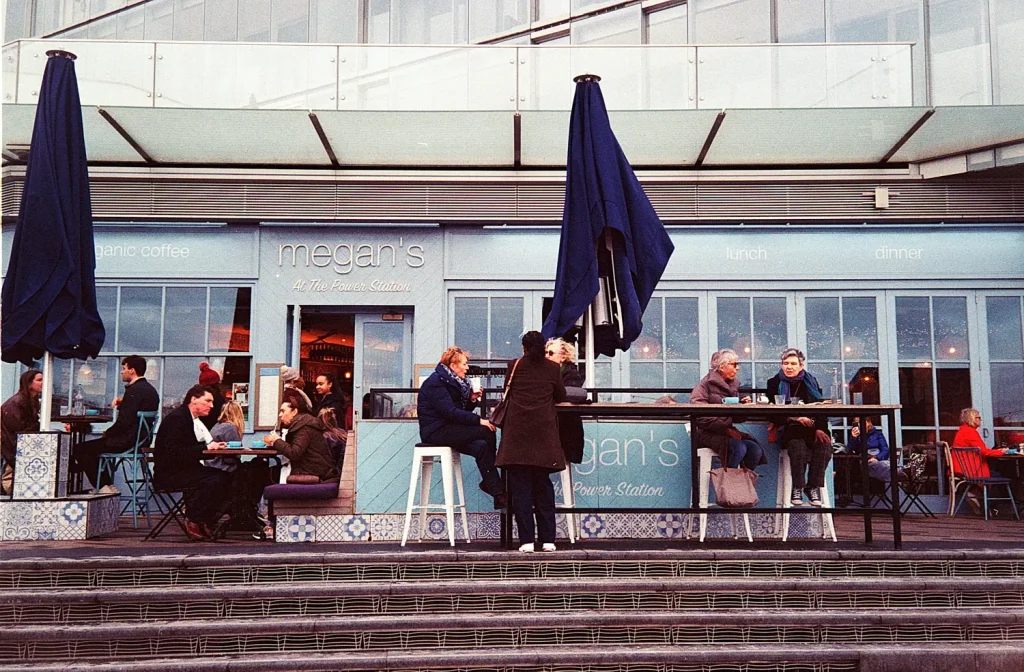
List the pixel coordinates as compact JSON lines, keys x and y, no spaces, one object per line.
{"x":530,"y":449}
{"x":570,"y":426}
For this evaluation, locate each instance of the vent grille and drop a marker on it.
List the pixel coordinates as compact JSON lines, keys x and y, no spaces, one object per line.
{"x":448,"y":201}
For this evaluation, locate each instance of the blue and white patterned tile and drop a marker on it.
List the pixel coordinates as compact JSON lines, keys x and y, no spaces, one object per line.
{"x":35,"y":473}
{"x":592,"y":526}
{"x":671,"y":525}
{"x":281,"y":525}
{"x":296,"y":529}
{"x":45,"y":514}
{"x":104,"y":516}
{"x":73,"y":513}
{"x":354,"y":527}
{"x":619,"y":525}
{"x":645,"y":526}
{"x":485,"y":526}
{"x":386,"y":526}
{"x":17,"y":521}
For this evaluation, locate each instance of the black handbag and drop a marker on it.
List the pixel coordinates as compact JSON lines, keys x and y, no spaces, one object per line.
{"x":499,"y":410}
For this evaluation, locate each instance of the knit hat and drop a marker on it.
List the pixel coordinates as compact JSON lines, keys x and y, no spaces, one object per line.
{"x":207,"y":376}
{"x":289,"y":373}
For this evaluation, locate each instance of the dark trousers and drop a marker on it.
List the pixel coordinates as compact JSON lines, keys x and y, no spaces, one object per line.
{"x":207,"y":492}
{"x":811,"y":460}
{"x":86,"y":458}
{"x":532,"y":493}
{"x":479,"y":443}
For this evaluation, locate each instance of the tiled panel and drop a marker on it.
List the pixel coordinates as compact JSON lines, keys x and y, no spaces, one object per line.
{"x":41,"y":469}
{"x":294,"y":529}
{"x":104,"y":515}
{"x":387,"y":527}
{"x":342,"y":528}
{"x":54,"y":519}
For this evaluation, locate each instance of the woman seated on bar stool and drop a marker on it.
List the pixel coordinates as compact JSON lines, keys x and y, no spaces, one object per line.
{"x":531,"y":449}
{"x":807,"y":441}
{"x":718,"y":433}
{"x":445,"y":406}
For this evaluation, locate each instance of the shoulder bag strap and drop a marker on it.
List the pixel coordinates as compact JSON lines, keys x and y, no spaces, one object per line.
{"x":508,"y":382}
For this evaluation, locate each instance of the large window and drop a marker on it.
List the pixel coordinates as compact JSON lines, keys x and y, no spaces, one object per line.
{"x":755,"y":327}
{"x":842,"y":346}
{"x":932,"y":347}
{"x":1006,"y":367}
{"x":489,"y":327}
{"x":667,"y":353}
{"x":733,"y":21}
{"x":174,"y":328}
{"x":959,"y":52}
{"x":1008,"y":50}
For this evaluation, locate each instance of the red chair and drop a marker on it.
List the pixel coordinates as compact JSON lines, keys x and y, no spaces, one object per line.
{"x":967,"y":469}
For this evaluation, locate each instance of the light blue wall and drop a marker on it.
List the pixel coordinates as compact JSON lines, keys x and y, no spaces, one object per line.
{"x":626,"y":464}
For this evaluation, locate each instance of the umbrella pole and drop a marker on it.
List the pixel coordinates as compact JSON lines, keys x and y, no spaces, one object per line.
{"x":46,"y":399}
{"x":591,"y":354}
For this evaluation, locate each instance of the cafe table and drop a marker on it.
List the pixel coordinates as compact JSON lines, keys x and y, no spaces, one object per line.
{"x":742,"y":413}
{"x":79,"y":426}
{"x":1007,"y":462}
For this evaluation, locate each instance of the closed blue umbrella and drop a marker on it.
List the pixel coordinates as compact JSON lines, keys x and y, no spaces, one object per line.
{"x":612,"y":239}
{"x":49,"y":293}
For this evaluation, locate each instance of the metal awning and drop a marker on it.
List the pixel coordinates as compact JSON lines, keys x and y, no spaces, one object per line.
{"x":756,"y":138}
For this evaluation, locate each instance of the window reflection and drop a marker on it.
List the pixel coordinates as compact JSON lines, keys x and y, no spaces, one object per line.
{"x":769,"y":328}
{"x":179,"y":374}
{"x":506,"y":327}
{"x":667,"y":26}
{"x":139,"y":319}
{"x":917,"y":395}
{"x":131,"y":24}
{"x":1004,"y":327}
{"x":682,"y":328}
{"x":290,"y":21}
{"x":800,"y":20}
{"x":734,"y":325}
{"x":221,"y":20}
{"x":733,"y":21}
{"x":913,"y":328}
{"x":471,"y":326}
{"x":188,"y":20}
{"x":954,"y":386}
{"x":254,"y":20}
{"x":822,"y":321}
{"x":185,"y":319}
{"x":1008,"y":38}
{"x":383,"y":354}
{"x":334,"y":21}
{"x":618,"y":27}
{"x":106,"y":302}
{"x":860,"y":328}
{"x":428,"y":21}
{"x":950,"y":319}
{"x":959,"y":48}
{"x":159,"y":20}
{"x":488,"y":18}
{"x":230,"y":318}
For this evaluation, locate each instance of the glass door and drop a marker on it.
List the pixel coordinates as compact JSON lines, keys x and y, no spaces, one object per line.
{"x":757,"y":327}
{"x":383,"y":358}
{"x":1002,"y":346}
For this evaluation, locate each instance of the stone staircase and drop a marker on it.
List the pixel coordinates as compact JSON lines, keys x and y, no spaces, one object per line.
{"x":593,"y":610}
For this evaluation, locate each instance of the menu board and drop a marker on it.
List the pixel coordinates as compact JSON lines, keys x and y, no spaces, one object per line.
{"x":268,"y":396}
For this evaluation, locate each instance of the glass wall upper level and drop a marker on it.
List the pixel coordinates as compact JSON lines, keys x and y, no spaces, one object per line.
{"x":966,"y":52}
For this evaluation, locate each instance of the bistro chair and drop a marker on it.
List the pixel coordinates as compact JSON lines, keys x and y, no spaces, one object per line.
{"x":916,"y":458}
{"x":423,"y":456}
{"x":969,"y":463}
{"x":134,"y":466}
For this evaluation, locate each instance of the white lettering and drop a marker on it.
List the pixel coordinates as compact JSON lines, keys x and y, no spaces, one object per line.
{"x":752,"y":254}
{"x":898,"y":253}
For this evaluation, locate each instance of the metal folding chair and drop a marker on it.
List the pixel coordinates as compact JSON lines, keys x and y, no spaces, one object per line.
{"x":134,"y":470}
{"x":966,"y":469}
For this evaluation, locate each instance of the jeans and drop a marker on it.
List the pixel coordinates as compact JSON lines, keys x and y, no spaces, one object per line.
{"x":479,"y":443}
{"x":532,"y":492}
{"x":747,"y":451}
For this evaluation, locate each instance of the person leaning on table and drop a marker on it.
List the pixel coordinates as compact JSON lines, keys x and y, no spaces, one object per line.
{"x":718,"y":433}
{"x":807,"y":440}
{"x":304,"y":446}
{"x":570,"y":427}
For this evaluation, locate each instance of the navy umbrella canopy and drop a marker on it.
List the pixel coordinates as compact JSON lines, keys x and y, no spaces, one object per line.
{"x":49,"y":293}
{"x":610,"y":230}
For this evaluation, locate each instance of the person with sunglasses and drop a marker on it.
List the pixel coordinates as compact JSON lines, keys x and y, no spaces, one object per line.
{"x":570,"y":427}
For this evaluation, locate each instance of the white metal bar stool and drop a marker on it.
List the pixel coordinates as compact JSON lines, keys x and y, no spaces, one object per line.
{"x":423,"y":456}
{"x":705,"y":457}
{"x":782,"y":493}
{"x":568,"y":502}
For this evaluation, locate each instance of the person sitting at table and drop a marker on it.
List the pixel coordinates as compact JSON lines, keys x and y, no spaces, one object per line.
{"x":878,"y":449}
{"x":733,"y":446}
{"x":531,"y":449}
{"x":329,"y":396}
{"x":445,"y":406}
{"x":178,"y":463}
{"x":807,"y":441}
{"x":208,"y":377}
{"x":968,"y":437}
{"x":20,"y":415}
{"x":304,"y":445}
{"x":139,"y":395}
{"x":230,"y":427}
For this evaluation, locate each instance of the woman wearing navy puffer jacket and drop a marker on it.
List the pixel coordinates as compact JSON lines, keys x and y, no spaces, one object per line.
{"x":444,"y":408}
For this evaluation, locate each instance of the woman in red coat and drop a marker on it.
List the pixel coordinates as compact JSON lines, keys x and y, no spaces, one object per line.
{"x":968,"y":437}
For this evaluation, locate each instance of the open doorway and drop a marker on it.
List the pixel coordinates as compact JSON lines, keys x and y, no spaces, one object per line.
{"x":327,"y":346}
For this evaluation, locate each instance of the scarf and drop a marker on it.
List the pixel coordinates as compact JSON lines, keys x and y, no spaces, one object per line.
{"x":448,"y":377}
{"x":813,"y":389}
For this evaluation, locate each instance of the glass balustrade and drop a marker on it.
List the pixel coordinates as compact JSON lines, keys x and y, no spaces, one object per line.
{"x":468,"y":78}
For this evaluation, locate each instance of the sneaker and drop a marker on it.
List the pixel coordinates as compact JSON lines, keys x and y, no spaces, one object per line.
{"x":547,"y":548}
{"x":815,"y":496}
{"x":527,"y":548}
{"x":265,"y":534}
{"x":108,"y":490}
{"x":194,"y":531}
{"x":797,"y":498}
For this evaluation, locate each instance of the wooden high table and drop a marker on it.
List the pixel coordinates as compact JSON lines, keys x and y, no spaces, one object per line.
{"x":743,"y":413}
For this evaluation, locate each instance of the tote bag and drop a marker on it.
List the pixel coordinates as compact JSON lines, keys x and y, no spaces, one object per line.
{"x":499,"y":410}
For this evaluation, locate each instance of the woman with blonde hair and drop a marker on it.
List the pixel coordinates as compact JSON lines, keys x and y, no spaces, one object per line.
{"x":445,"y":407}
{"x":570,"y":426}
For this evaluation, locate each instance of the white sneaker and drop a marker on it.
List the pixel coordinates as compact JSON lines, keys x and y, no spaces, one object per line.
{"x":547,"y":548}
{"x":527,"y":548}
{"x":108,"y":490}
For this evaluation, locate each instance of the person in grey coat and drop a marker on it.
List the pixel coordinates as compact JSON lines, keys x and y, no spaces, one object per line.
{"x":733,"y":446}
{"x":530,"y":449}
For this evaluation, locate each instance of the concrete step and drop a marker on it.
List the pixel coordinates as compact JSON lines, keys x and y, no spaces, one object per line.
{"x":873,"y":657}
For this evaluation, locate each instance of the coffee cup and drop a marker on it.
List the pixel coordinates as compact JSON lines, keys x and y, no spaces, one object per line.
{"x":730,"y":400}
{"x":476,"y":384}
{"x":258,"y":444}
{"x":234,"y":444}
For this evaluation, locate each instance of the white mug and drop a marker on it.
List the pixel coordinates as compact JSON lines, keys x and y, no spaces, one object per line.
{"x":476,"y":384}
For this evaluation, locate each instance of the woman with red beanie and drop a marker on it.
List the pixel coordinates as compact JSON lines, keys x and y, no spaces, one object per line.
{"x":208,"y":377}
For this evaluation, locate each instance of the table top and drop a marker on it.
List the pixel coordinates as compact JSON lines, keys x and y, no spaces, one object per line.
{"x":231,"y":452}
{"x":735,"y":410}
{"x":81,"y":419}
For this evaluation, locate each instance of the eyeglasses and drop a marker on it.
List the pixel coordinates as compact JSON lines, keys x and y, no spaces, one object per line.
{"x":550,"y":353}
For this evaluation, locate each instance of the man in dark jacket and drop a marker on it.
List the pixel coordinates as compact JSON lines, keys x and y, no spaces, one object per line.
{"x":329,"y":396}
{"x":178,"y":463}
{"x":444,"y":410}
{"x":120,"y":437}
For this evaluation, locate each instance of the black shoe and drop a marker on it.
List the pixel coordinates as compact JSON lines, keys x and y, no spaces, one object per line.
{"x":500,"y":502}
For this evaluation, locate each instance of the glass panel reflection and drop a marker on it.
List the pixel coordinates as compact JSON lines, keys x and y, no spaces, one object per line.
{"x":1008,"y":43}
{"x":917,"y":395}
{"x":488,"y":18}
{"x":100,"y":382}
{"x":913,"y":327}
{"x":506,"y":328}
{"x":1004,"y":327}
{"x":221,"y":20}
{"x":734,"y":325}
{"x":106,"y":302}
{"x":954,"y":385}
{"x":1007,"y":394}
{"x":185,"y":319}
{"x":617,"y":27}
{"x":383,"y":345}
{"x":822,"y":320}
{"x":139,"y":319}
{"x":733,"y":21}
{"x":863,"y":378}
{"x":471,"y":326}
{"x":230,"y":316}
{"x":682,"y":375}
{"x":682,"y":329}
{"x":179,"y":374}
{"x":950,"y":320}
{"x":829,"y":376}
{"x":667,"y":26}
{"x":769,"y":327}
{"x":860,"y":328}
{"x":958,"y":39}
{"x":648,"y":344}
{"x":800,"y":20}
{"x":334,"y":21}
